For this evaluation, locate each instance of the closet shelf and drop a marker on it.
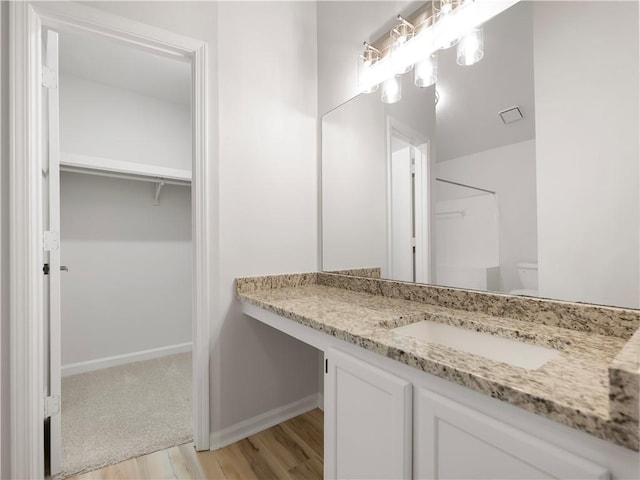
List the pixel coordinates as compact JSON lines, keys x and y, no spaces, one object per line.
{"x":72,"y":162}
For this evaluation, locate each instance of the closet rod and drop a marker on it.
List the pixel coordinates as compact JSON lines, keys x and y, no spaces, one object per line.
{"x":124,"y":176}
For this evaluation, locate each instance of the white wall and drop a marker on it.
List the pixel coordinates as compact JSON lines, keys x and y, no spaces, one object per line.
{"x":587,"y":151}
{"x":104,"y":121}
{"x":128,"y":287}
{"x":4,"y":241}
{"x":268,"y":195}
{"x":511,"y":172}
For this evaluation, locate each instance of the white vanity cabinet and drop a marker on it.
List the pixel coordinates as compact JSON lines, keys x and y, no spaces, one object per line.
{"x":453,"y":441}
{"x":385,"y":419}
{"x":379,"y":425}
{"x":367,"y":420}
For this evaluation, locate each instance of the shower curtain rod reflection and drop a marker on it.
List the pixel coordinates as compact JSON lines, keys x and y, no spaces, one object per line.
{"x":463,"y":185}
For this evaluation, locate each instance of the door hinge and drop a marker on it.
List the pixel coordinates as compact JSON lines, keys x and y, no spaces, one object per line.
{"x":51,"y":406}
{"x":326,"y":365}
{"x":49,"y":78}
{"x":50,"y":241}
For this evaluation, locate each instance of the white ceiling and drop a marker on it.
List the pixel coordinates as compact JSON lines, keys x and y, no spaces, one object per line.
{"x":467,"y":119}
{"x":103,"y":60}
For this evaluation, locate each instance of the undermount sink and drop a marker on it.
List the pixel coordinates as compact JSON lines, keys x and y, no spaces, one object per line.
{"x":496,"y":348}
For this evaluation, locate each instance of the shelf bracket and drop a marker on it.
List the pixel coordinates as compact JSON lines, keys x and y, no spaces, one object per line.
{"x":159,"y":185}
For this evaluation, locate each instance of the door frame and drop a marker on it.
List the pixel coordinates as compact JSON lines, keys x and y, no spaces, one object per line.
{"x":424,"y":183}
{"x":26,"y":249}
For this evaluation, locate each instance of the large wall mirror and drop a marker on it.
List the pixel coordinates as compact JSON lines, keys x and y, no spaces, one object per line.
{"x":543,"y":200}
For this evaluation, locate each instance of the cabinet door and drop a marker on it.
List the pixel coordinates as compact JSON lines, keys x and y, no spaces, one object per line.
{"x":453,"y":441}
{"x":367,"y":421}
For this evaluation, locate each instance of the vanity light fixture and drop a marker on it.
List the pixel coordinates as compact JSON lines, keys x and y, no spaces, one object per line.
{"x":415,"y":40}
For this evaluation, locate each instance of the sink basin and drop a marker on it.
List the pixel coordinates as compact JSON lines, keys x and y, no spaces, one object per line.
{"x":496,"y":348}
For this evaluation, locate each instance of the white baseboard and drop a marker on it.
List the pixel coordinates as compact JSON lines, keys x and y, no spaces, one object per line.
{"x":100,"y":363}
{"x":321,"y":401}
{"x":261,"y":422}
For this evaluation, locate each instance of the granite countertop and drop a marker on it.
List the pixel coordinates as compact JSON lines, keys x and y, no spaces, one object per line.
{"x":592,"y":385}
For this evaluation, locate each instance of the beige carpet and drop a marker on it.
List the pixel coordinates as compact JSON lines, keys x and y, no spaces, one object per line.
{"x":122,"y":412}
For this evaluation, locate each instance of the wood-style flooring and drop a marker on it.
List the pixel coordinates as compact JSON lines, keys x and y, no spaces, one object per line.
{"x":290,"y":450}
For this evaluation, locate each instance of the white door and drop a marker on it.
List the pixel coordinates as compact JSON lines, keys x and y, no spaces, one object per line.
{"x":422,"y":213}
{"x":402,"y":215}
{"x":453,"y":441}
{"x":409,"y":245}
{"x":51,"y":244}
{"x":367,"y":421}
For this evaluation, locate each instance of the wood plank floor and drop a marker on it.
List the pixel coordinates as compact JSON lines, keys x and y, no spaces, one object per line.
{"x":291,"y":450}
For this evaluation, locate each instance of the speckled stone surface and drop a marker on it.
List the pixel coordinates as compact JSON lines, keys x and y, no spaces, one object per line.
{"x":592,"y":385}
{"x":373,"y":272}
{"x":251,"y":284}
{"x":610,"y":321}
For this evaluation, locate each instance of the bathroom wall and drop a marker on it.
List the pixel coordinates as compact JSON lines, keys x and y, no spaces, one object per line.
{"x":268,"y":194}
{"x":128,"y":288}
{"x":587,"y":151}
{"x":266,"y":167}
{"x":4,"y":241}
{"x":104,"y":121}
{"x":511,"y":172}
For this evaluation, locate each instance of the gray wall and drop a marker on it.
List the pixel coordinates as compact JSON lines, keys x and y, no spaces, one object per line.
{"x":268,"y":195}
{"x":587,"y":151}
{"x":4,"y":242}
{"x":128,"y":288}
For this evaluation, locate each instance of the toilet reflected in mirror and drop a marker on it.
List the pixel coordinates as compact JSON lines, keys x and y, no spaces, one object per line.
{"x":528,"y":275}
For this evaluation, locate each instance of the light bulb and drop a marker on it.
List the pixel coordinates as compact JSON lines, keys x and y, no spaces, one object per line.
{"x":365,"y":82}
{"x":368,"y":87}
{"x":391,"y":90}
{"x":400,"y":63}
{"x":470,"y":48}
{"x":426,"y":72}
{"x":446,"y":31}
{"x":400,"y":34}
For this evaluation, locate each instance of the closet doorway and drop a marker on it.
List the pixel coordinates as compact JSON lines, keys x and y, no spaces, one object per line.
{"x":35,"y":366}
{"x":119,"y":132}
{"x":125,"y":250}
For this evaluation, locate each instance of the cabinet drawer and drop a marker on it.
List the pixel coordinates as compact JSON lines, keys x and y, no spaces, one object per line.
{"x":453,"y":441}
